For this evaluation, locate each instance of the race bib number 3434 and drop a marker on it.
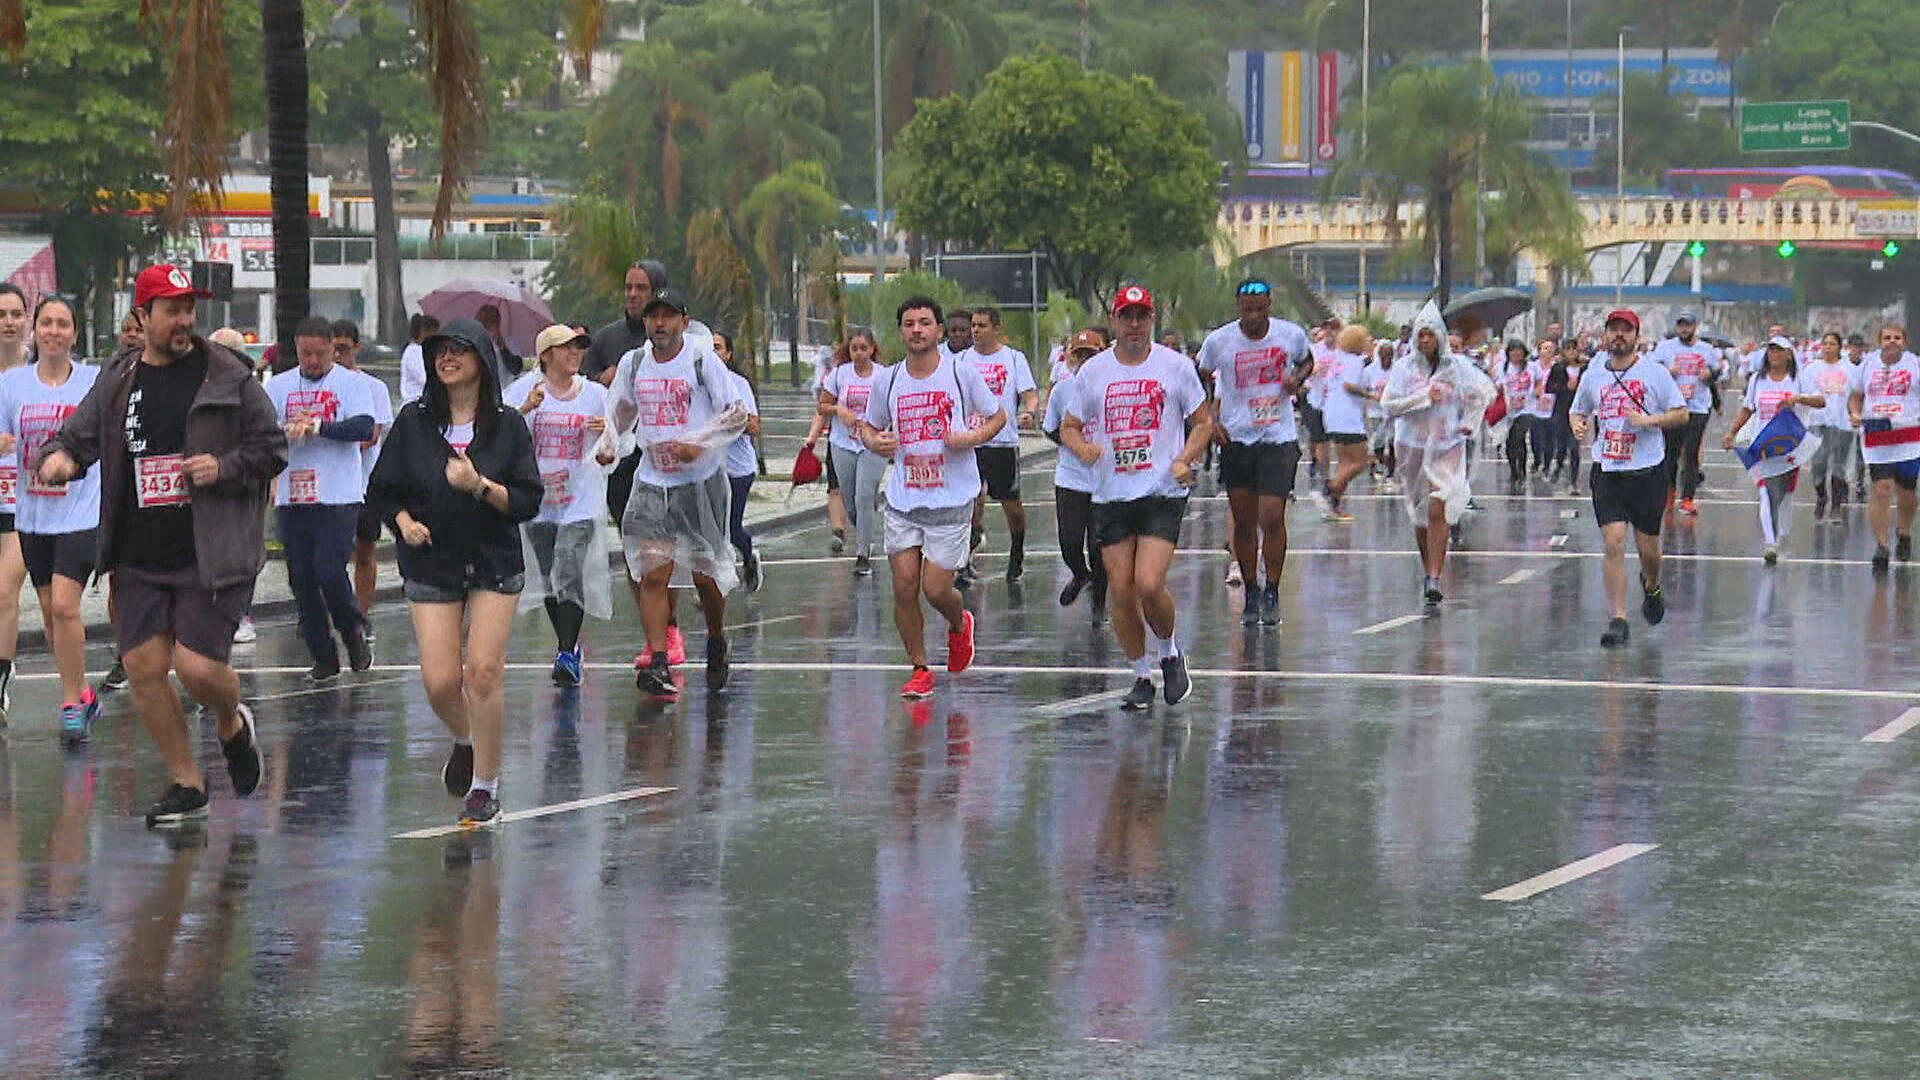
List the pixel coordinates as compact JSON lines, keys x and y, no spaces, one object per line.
{"x":159,"y":481}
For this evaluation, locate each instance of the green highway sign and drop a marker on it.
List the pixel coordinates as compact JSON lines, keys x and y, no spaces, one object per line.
{"x":1780,"y":126}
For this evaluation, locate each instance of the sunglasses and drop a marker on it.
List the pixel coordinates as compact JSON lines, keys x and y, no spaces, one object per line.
{"x":1254,"y":288}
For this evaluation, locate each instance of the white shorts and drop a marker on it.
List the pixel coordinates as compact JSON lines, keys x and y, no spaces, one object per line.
{"x":943,"y":536}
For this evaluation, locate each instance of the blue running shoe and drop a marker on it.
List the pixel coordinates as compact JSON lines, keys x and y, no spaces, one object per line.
{"x":567,"y":667}
{"x":76,"y":724}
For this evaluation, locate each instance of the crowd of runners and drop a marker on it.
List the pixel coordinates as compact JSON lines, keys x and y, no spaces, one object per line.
{"x":156,"y":469}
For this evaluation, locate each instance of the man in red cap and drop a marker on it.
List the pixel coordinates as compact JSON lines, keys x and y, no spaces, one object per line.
{"x":187,"y":444}
{"x":1137,"y":417}
{"x":1626,"y":402}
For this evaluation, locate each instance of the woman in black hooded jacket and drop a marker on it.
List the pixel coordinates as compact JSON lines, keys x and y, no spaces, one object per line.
{"x":456,"y":477}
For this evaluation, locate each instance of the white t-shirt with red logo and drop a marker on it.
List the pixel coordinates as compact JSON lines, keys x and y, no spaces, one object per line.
{"x":854,"y":390}
{"x":1142,"y":410}
{"x":321,"y":472}
{"x":382,"y":401}
{"x":573,"y":481}
{"x":1344,"y":412}
{"x":1610,"y":396}
{"x":1516,"y":383}
{"x":1249,"y":377}
{"x":673,"y":400}
{"x":32,"y":411}
{"x":1767,"y":396}
{"x":1890,"y":392}
{"x":1006,"y":373}
{"x":1832,"y":381}
{"x":926,"y":474}
{"x":1541,"y":405}
{"x":1689,"y":365}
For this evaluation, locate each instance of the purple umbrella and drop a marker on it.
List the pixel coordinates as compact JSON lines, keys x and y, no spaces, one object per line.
{"x":522,"y":313}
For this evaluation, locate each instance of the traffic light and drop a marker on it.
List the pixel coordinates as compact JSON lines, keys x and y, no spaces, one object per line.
{"x":1697,"y":249}
{"x":1787,"y":249}
{"x":1890,"y":249}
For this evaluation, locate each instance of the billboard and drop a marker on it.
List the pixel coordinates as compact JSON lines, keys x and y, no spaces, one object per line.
{"x":1289,"y":103}
{"x":1544,"y":72}
{"x":1291,"y":120}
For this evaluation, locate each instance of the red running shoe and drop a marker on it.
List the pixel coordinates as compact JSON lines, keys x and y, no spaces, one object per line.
{"x":960,"y":645}
{"x":676,"y":647}
{"x":920,"y":686}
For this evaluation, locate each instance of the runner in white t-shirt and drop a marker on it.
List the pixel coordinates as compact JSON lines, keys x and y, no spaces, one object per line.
{"x":565,"y":546}
{"x":366,"y":531}
{"x":843,"y":402}
{"x":1518,"y":381}
{"x":1142,"y":397}
{"x":743,"y":463}
{"x":1010,"y":377}
{"x":1379,"y":425}
{"x":1829,"y":375}
{"x":327,"y":414}
{"x":1073,"y":484}
{"x":1694,"y":365}
{"x":1627,"y":400}
{"x":1883,"y":401}
{"x":1257,"y":365}
{"x":1782,"y":384}
{"x":1343,"y":411}
{"x":920,"y":416}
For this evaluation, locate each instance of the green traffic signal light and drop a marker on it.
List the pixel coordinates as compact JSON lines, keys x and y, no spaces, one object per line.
{"x":1787,"y":249}
{"x":1891,"y":249}
{"x":1697,"y":249}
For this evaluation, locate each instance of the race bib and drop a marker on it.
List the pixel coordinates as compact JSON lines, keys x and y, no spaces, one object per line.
{"x":1267,"y":410}
{"x":1686,"y":391}
{"x":664,"y":459}
{"x":1886,"y":408}
{"x":1617,"y":445}
{"x":924,"y":471}
{"x":1132,"y":453}
{"x":9,"y":482}
{"x":558,"y":494}
{"x":303,"y":487}
{"x":159,"y":481}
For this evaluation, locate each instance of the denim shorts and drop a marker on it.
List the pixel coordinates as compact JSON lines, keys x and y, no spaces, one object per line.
{"x":422,"y":592}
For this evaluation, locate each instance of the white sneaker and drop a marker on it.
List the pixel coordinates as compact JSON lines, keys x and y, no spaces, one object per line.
{"x":1233,"y":575}
{"x":246,"y":634}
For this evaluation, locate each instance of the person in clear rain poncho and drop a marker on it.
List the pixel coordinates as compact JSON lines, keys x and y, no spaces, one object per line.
{"x":1437,"y":400}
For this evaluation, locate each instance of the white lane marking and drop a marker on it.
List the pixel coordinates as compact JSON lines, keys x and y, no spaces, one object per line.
{"x":1517,"y":577}
{"x":327,"y":689}
{"x":1569,"y":515}
{"x":1573,"y":871}
{"x":536,"y":812}
{"x":1409,"y":553}
{"x":1892,"y":730}
{"x":1073,"y":705}
{"x":1557,"y":540}
{"x":765,"y":622}
{"x":1390,"y":624}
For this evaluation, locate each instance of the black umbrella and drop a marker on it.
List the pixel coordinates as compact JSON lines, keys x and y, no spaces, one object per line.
{"x":1491,"y":308}
{"x":1718,"y":341}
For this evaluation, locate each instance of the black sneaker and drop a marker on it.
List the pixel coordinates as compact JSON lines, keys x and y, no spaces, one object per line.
{"x":1903,"y":548}
{"x":839,"y":543}
{"x":177,"y":807}
{"x":116,"y":678}
{"x":1250,"y":613}
{"x":717,"y":667}
{"x":656,"y":679}
{"x":1431,"y":591}
{"x":862,"y":566}
{"x":1270,"y":605}
{"x":1178,"y":685}
{"x":1016,"y":567}
{"x":753,"y":574}
{"x":243,"y":755}
{"x":322,"y":674}
{"x":1073,"y":590}
{"x":457,"y":773}
{"x":1882,"y":559}
{"x":1140,"y":697}
{"x":480,"y":808}
{"x":359,"y":651}
{"x":1616,"y":635}
{"x":1654,"y":604}
{"x":964,"y":578}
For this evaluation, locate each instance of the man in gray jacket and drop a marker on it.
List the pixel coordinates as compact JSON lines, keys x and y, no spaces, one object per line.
{"x":188,"y":446}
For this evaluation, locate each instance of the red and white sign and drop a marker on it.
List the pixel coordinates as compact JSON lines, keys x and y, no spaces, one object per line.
{"x":1326,"y":107}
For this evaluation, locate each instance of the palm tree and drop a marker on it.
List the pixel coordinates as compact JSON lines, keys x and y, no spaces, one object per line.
{"x":761,"y":127}
{"x":786,"y":214}
{"x":723,"y":275}
{"x":661,"y":100}
{"x":929,"y":49}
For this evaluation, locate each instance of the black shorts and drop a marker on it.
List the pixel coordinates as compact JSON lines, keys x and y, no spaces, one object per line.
{"x":173,"y":602}
{"x":70,"y":555}
{"x":833,"y":474}
{"x":620,"y":486}
{"x":1157,"y":516}
{"x":366,"y":527}
{"x":1266,"y":468}
{"x":1638,"y":498}
{"x":1000,"y":470}
{"x":1904,"y":474}
{"x":6,"y":524}
{"x":1314,"y":421}
{"x":1347,"y":438}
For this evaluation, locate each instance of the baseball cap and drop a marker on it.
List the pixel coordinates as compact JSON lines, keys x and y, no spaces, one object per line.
{"x":1622,"y":315}
{"x":558,"y":335}
{"x":1686,"y":317}
{"x":1780,"y":341}
{"x":161,"y":282}
{"x":666,"y":298}
{"x":1086,"y":339}
{"x":1131,"y":297}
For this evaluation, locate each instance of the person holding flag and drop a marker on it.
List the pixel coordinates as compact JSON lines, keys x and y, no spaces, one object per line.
{"x":1773,"y":456}
{"x":1884,"y":403}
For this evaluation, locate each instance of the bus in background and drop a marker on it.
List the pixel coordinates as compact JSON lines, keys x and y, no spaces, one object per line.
{"x":1844,"y":181}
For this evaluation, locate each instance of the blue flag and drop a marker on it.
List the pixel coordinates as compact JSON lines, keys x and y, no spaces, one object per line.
{"x":1780,"y":447}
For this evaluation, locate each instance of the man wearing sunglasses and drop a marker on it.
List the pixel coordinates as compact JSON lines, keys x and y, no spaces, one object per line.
{"x":1257,"y":364}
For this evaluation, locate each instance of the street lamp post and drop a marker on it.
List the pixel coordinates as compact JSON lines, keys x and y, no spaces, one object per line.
{"x":1480,"y":159}
{"x":879,"y":178}
{"x":1620,"y":158}
{"x":1366,"y":83}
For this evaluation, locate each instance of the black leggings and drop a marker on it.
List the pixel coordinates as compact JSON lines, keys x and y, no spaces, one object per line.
{"x":1519,"y":429}
{"x":1683,"y":454}
{"x":737,"y":515}
{"x":1073,"y":513}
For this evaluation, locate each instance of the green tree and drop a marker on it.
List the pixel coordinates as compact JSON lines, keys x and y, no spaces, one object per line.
{"x":1095,"y":171}
{"x":1878,"y":70}
{"x":786,"y":215}
{"x":598,"y":238}
{"x":1663,"y":134}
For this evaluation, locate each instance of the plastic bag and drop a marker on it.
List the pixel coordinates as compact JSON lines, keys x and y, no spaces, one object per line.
{"x":685,"y":525}
{"x":568,"y":561}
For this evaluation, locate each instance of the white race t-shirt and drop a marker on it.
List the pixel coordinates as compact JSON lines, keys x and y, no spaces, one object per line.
{"x":1689,"y":366}
{"x":672,"y":401}
{"x":926,"y":474}
{"x":1891,"y":392}
{"x":459,"y":436}
{"x":1766,"y":396}
{"x":1068,"y":471}
{"x":1833,"y":381}
{"x":1540,"y":405}
{"x":382,"y":401}
{"x":1374,"y":378}
{"x":321,"y":471}
{"x":853,"y":390}
{"x":1008,"y":375}
{"x":1516,"y":384}
{"x":34,"y":411}
{"x":1249,"y":377}
{"x":1609,"y":395}
{"x":563,"y":448}
{"x":1344,"y":412}
{"x":1142,"y":411}
{"x":741,"y":460}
